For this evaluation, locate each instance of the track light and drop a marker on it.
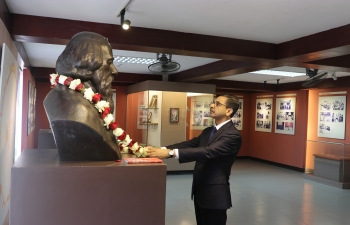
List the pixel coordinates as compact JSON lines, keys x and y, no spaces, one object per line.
{"x":333,"y":76}
{"x":125,"y":23}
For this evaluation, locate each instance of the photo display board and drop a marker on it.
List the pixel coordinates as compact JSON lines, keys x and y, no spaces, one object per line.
{"x":263,"y":117}
{"x":200,"y":113}
{"x":285,"y":115}
{"x":237,"y":119}
{"x":331,"y":116}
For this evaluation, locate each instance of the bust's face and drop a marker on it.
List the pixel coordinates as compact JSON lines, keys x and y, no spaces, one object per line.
{"x":103,"y":77}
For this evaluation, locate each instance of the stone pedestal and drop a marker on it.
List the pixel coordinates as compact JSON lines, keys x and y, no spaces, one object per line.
{"x":46,"y":140}
{"x":45,"y":191}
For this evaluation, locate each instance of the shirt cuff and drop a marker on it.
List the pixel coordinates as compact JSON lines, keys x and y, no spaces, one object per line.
{"x":175,"y":150}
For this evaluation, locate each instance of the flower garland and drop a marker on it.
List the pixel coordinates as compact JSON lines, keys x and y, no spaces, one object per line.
{"x":126,"y":144}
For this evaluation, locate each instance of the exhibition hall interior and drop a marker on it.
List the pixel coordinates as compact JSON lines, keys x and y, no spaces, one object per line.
{"x":287,"y":62}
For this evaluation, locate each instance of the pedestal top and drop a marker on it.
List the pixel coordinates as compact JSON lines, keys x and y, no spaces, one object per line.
{"x":50,"y":158}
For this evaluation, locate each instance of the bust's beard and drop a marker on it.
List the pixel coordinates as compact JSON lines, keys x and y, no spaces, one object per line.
{"x":104,"y":88}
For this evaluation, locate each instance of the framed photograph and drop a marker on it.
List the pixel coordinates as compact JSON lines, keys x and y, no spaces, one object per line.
{"x":285,"y":115}
{"x":31,"y":107}
{"x":331,"y":117}
{"x":263,"y":118}
{"x":237,"y":119}
{"x":174,"y":115}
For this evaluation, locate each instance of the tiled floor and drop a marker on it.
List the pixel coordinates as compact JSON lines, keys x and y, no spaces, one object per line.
{"x":265,"y":194}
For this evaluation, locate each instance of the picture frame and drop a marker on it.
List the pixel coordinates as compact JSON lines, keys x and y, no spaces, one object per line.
{"x":174,"y":115}
{"x":31,"y":107}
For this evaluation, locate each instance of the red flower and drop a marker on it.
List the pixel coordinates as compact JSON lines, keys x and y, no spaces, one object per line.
{"x":122,"y":136}
{"x":121,"y":146}
{"x":79,"y":87}
{"x":113,"y":125}
{"x":130,"y":151}
{"x":131,"y":144}
{"x":96,"y":98}
{"x":57,"y":79}
{"x":67,"y":81}
{"x":105,"y":112}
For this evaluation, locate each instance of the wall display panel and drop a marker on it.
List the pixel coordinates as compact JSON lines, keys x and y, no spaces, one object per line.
{"x":200,"y":112}
{"x":237,"y":119}
{"x":263,"y":117}
{"x":331,"y":116}
{"x":8,"y":94}
{"x":285,"y":115}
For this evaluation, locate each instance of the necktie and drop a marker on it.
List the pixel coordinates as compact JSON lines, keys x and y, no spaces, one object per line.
{"x":212,"y":133}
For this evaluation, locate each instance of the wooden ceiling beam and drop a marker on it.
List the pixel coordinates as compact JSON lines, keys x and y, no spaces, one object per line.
{"x":38,"y":29}
{"x":341,"y":82}
{"x":219,"y":69}
{"x":241,"y":86}
{"x":327,"y":50}
{"x":331,"y":43}
{"x":43,"y":74}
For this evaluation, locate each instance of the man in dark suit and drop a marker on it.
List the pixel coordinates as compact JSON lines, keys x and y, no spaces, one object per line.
{"x":214,"y":151}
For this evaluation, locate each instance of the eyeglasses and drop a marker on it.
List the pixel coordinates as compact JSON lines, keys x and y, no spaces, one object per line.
{"x":217,"y":104}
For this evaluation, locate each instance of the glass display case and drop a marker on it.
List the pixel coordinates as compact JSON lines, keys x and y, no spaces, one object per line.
{"x":328,"y":161}
{"x":184,"y":115}
{"x":161,"y":113}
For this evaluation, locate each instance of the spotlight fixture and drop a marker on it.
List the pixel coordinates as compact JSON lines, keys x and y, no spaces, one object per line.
{"x":265,"y":83}
{"x":333,"y":76}
{"x":278,"y":82}
{"x":125,"y":23}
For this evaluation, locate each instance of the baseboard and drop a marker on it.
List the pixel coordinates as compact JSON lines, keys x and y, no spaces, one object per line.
{"x":180,"y":172}
{"x":301,"y":170}
{"x":327,"y":182}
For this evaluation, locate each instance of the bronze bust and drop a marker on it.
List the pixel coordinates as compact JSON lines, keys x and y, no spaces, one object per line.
{"x":77,"y":126}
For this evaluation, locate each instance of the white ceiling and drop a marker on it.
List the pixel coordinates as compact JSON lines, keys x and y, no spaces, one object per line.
{"x":273,"y":21}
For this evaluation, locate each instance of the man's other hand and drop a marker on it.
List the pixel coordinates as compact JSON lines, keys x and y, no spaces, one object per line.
{"x":157,"y":152}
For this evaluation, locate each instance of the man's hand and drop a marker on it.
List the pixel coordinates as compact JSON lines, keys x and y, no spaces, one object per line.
{"x":157,"y":152}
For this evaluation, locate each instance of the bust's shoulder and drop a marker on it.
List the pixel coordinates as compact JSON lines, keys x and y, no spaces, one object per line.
{"x":62,"y":95}
{"x":64,"y":103}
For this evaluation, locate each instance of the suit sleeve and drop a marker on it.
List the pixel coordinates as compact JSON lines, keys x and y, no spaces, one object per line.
{"x":193,"y":143}
{"x":228,"y":143}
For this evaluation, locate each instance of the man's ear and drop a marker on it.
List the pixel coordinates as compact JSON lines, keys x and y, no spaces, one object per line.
{"x":229,"y":111}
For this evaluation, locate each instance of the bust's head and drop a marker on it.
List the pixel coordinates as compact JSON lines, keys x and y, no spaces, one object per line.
{"x":88,"y":57}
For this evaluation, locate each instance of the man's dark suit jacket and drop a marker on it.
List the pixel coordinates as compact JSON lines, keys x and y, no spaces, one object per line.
{"x":214,"y":159}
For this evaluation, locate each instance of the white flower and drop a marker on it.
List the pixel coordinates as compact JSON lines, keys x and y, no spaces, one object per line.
{"x":74,"y":83}
{"x":88,"y":94}
{"x":108,"y":119}
{"x":61,"y":79}
{"x":138,"y":154}
{"x":135,"y":146}
{"x":117,"y":132}
{"x":53,"y":78}
{"x":127,"y":140}
{"x":144,"y":153}
{"x":124,"y":149}
{"x":100,"y":106}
